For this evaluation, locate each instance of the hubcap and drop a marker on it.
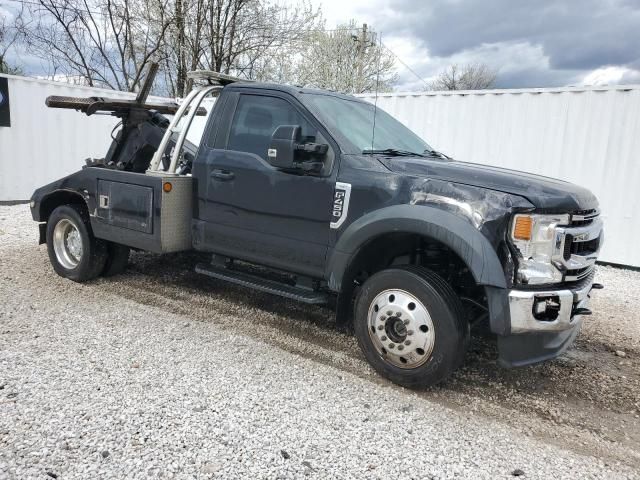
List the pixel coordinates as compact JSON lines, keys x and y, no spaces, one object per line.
{"x":67,"y":244}
{"x":401,"y":329}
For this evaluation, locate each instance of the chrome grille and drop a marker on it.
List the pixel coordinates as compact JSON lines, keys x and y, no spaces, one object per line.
{"x":589,"y":247}
{"x":578,"y":245}
{"x":583,"y":217}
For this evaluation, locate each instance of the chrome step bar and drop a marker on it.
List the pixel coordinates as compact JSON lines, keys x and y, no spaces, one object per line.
{"x":300,"y":294}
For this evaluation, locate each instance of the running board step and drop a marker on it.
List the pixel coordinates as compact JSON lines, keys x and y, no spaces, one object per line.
{"x":264,"y":285}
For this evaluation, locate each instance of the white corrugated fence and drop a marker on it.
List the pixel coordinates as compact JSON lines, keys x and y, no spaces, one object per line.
{"x":586,"y":135}
{"x":44,"y":144}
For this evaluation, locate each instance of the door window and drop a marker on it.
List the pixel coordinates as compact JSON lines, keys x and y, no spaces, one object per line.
{"x":257,"y":117}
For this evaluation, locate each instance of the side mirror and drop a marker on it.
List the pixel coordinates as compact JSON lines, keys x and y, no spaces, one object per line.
{"x":285,"y":142}
{"x":283,"y":146}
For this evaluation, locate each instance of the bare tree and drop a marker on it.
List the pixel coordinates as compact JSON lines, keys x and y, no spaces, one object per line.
{"x":102,"y":42}
{"x":111,"y":42}
{"x":242,"y":37}
{"x":348,"y":59}
{"x":471,"y":76}
{"x":9,"y":37}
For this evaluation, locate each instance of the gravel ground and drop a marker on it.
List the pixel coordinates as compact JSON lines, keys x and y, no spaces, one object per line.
{"x":160,"y":373}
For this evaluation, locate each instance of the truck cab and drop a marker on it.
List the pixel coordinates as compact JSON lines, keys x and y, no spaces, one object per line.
{"x":326,"y":199}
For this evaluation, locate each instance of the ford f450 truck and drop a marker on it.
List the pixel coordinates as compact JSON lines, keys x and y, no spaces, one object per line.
{"x":323,"y":198}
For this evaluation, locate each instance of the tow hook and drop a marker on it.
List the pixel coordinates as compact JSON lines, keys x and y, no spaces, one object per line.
{"x":583,"y":310}
{"x":595,"y":286}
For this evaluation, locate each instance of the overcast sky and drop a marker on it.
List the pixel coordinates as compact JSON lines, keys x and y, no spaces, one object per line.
{"x":537,"y":43}
{"x":531,"y":43}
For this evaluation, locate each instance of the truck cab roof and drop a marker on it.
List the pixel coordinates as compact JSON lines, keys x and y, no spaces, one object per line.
{"x":294,"y":90}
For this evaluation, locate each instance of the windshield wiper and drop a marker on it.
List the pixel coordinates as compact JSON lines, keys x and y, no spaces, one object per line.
{"x":393,"y":152}
{"x":435,"y":153}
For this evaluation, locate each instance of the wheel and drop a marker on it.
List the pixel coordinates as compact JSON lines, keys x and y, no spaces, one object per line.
{"x":410,"y":326}
{"x":73,"y":250}
{"x":117,"y":259}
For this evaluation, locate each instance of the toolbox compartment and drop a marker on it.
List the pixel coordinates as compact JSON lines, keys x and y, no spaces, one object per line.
{"x":146,"y":211}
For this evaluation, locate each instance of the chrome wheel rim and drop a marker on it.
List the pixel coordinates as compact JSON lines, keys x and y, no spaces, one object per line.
{"x":67,"y":244}
{"x":401,"y":329}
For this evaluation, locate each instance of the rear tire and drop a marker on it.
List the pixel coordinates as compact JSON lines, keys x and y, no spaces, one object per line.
{"x":117,"y":259}
{"x":73,"y":250}
{"x":410,"y":326}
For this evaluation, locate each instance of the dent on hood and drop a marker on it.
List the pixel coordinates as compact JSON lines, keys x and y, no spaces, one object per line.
{"x":479,"y":206}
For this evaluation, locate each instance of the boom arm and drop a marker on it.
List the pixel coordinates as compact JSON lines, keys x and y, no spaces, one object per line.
{"x":116,"y":106}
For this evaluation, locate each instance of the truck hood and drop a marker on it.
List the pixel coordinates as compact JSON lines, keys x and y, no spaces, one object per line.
{"x":543,"y":192}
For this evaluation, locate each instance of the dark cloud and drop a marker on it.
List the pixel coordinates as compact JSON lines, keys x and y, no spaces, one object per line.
{"x":575,"y":36}
{"x":535,"y":77}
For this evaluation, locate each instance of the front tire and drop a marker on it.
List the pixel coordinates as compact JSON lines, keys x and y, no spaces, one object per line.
{"x":410,"y":327}
{"x":73,"y":250}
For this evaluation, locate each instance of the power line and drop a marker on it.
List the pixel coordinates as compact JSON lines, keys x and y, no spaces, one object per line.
{"x":77,"y":8}
{"x":407,"y":66}
{"x":58,"y":6}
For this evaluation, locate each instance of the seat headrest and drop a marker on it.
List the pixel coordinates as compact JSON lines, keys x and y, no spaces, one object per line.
{"x":258,"y":117}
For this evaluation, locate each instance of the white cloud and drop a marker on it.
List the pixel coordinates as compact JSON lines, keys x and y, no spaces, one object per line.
{"x":611,"y":75}
{"x":551,"y":44}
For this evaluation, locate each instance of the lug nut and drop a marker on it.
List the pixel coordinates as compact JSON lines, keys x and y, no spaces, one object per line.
{"x":400,"y":347}
{"x":398,"y":314}
{"x":392,"y":345}
{"x":380,"y":327}
{"x":406,"y":322}
{"x":383,"y":318}
{"x":383,"y":338}
{"x":407,"y":342}
{"x":409,"y":332}
{"x":389,"y":313}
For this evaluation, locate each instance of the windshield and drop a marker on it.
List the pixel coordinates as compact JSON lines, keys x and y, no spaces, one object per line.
{"x":354,"y":120}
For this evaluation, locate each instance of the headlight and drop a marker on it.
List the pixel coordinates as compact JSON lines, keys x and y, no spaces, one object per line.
{"x":536,"y":241}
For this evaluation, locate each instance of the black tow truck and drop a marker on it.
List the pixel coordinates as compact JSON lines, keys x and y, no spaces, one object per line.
{"x":324,"y":198}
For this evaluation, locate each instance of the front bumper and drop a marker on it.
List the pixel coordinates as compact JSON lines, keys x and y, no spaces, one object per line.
{"x":537,"y":334}
{"x":523,"y":303}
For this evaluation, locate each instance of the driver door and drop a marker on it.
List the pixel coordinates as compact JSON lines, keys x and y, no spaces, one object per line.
{"x":252,"y":210}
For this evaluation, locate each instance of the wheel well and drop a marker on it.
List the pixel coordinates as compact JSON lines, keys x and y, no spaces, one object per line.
{"x":60,"y":197}
{"x":398,"y":248}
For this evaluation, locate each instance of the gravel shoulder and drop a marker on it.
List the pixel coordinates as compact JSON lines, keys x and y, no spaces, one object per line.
{"x":161,"y":373}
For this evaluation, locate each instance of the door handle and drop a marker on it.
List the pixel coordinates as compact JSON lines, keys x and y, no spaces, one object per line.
{"x":222,"y":174}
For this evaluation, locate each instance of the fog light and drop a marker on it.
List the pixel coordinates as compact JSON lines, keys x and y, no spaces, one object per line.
{"x":546,"y":308}
{"x":167,"y":187}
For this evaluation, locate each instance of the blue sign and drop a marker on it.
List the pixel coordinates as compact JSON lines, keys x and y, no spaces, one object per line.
{"x":5,"y":110}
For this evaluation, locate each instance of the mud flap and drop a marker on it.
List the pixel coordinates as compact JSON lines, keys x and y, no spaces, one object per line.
{"x":529,"y":348}
{"x":42,"y":229}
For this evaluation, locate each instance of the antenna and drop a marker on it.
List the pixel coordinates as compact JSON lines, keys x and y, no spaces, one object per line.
{"x":375,"y":104}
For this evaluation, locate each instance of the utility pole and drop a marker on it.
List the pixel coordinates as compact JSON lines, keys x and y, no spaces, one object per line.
{"x":181,"y":74}
{"x":360,"y":52}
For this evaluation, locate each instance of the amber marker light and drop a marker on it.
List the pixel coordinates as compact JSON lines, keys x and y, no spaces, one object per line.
{"x":166,"y":187}
{"x":522,"y":228}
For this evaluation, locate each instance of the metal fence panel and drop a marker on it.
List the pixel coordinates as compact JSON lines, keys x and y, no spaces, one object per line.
{"x":43,"y":144}
{"x":589,"y":136}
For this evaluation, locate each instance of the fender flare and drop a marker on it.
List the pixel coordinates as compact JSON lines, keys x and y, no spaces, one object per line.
{"x":455,"y":232}
{"x":64,"y":194}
